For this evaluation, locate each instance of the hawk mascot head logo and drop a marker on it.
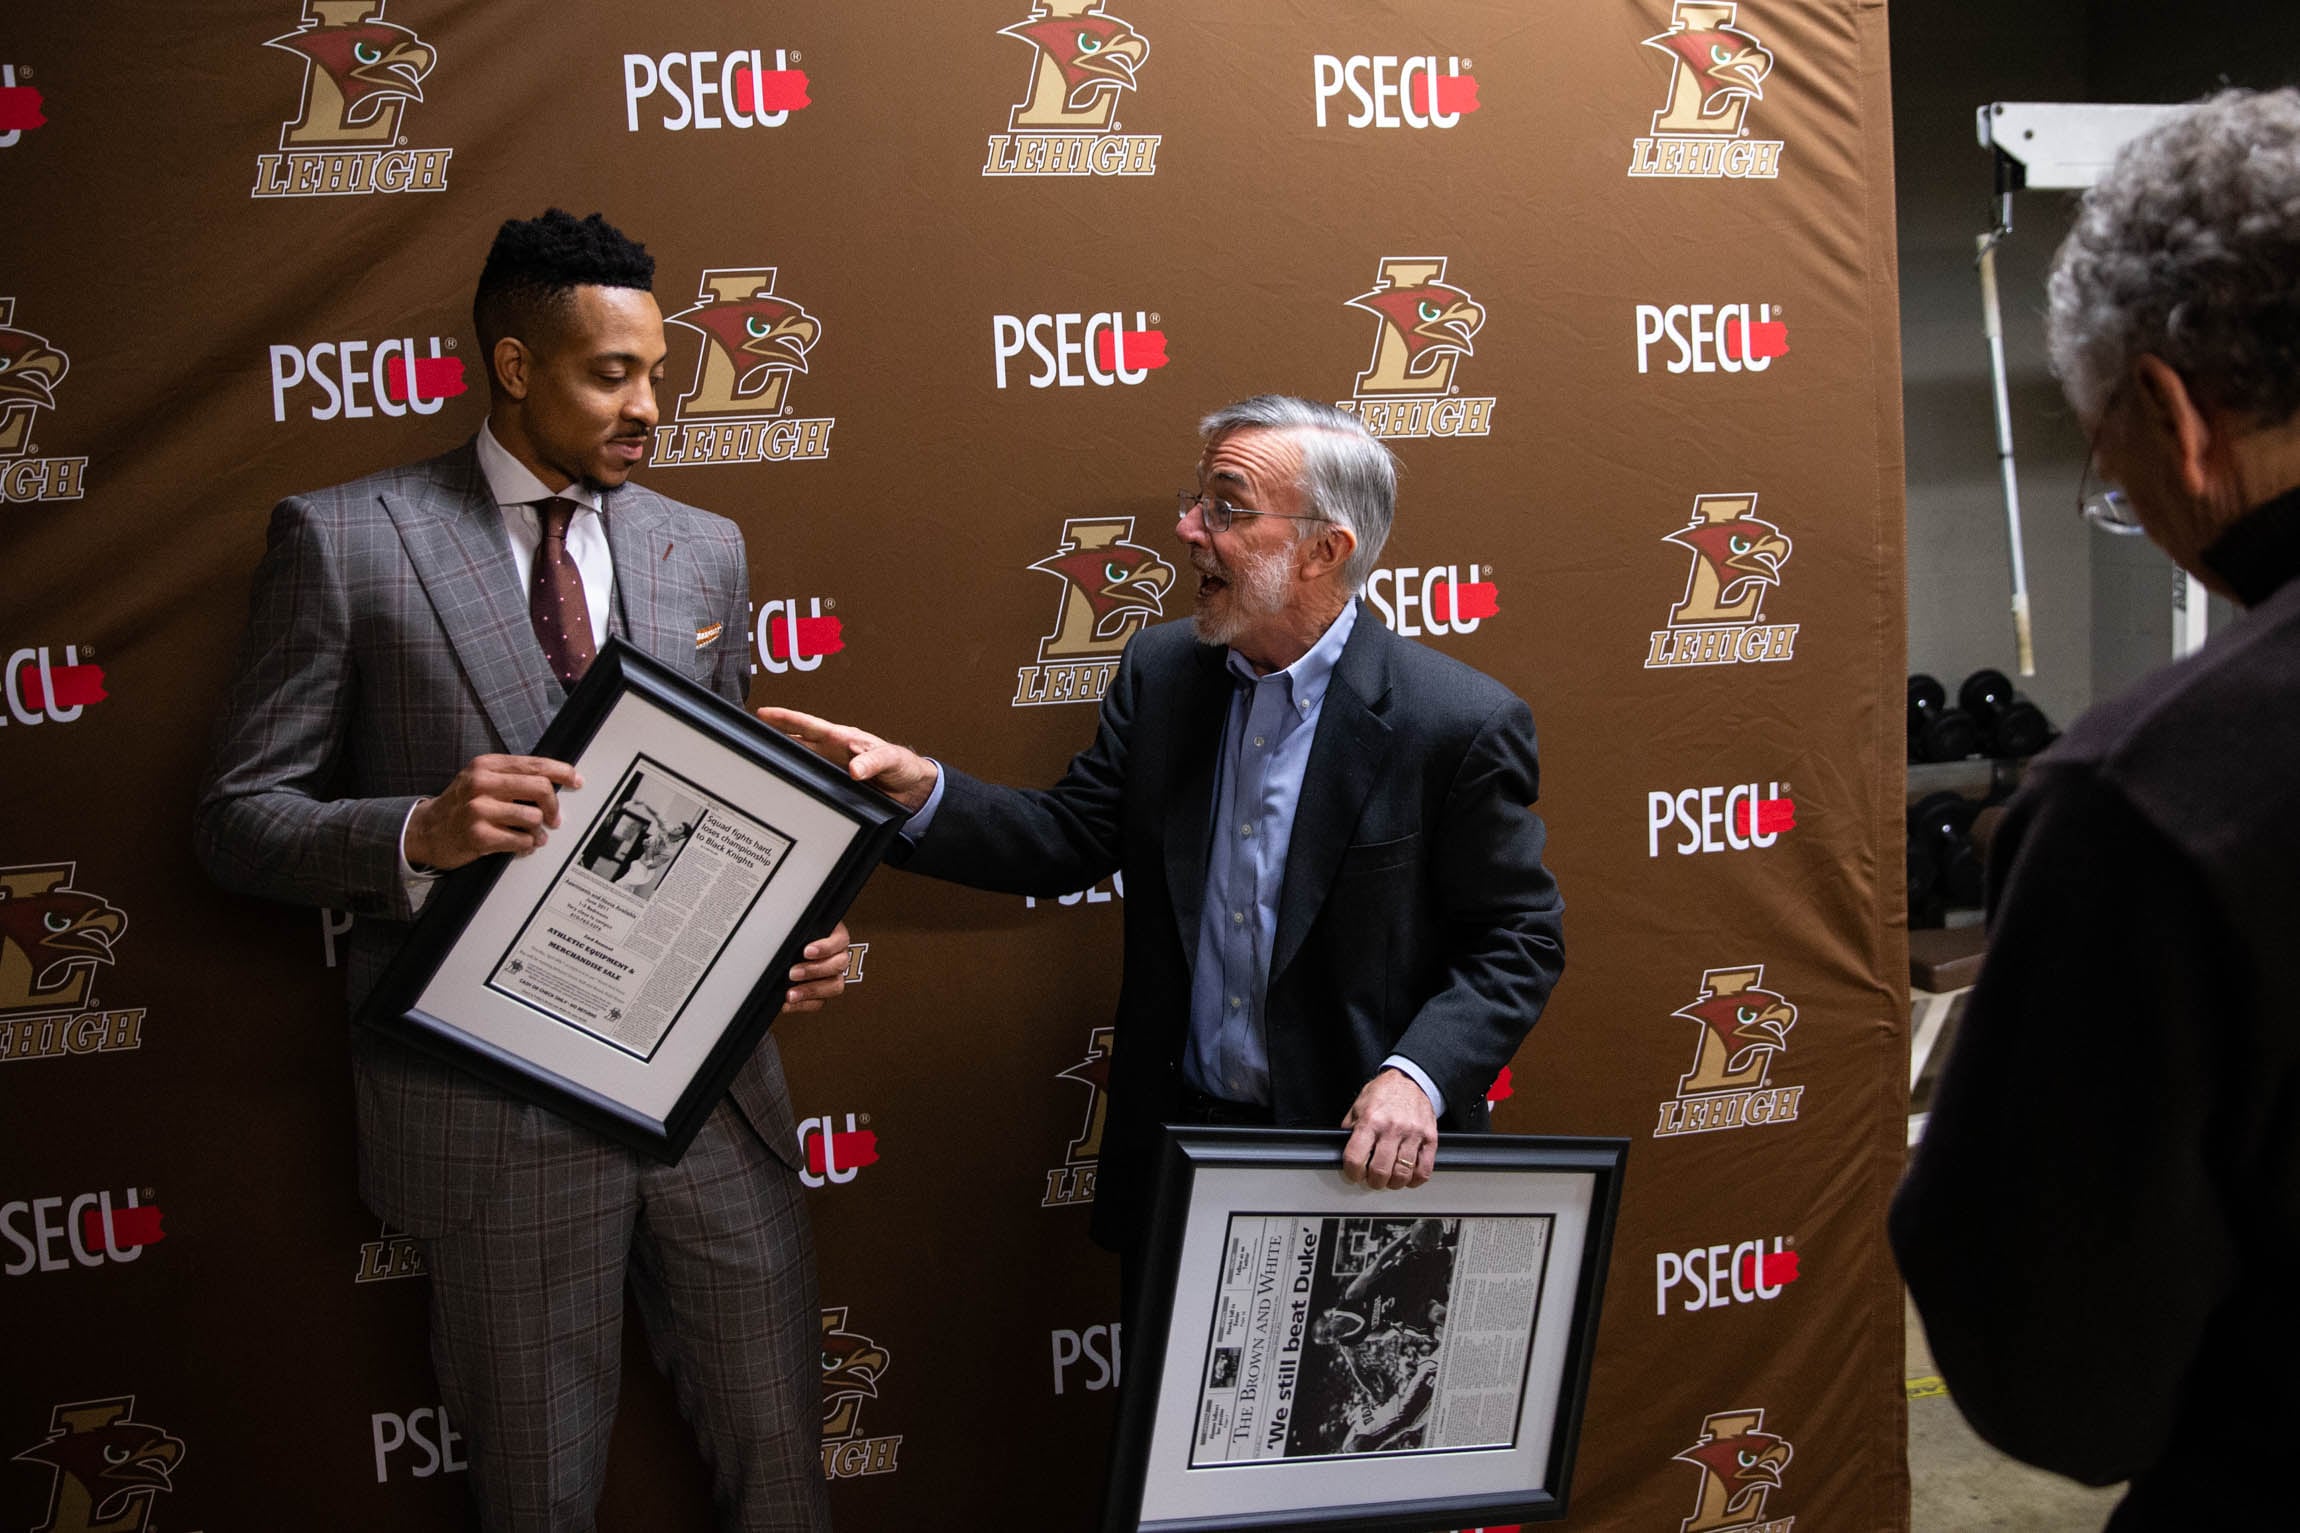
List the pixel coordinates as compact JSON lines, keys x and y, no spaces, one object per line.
{"x":1742,"y":552}
{"x":1120,"y":583}
{"x":44,"y":935}
{"x":1428,"y":317}
{"x":1094,"y":52}
{"x":1742,"y":1462}
{"x":1745,"y":1023}
{"x":370,"y":62}
{"x":1726,"y":63}
{"x":29,"y":367}
{"x":104,"y":1464}
{"x":851,"y":1368}
{"x":759,"y":334}
{"x":1092,"y":1072}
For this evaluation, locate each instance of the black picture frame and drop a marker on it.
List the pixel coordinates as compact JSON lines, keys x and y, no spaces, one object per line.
{"x":1297,"y":1173}
{"x":685,"y":724}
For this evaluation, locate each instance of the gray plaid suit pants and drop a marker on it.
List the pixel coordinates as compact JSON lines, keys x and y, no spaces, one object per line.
{"x":527,"y":1313}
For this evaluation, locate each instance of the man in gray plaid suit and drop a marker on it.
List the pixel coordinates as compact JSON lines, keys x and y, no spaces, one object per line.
{"x":410,"y":635}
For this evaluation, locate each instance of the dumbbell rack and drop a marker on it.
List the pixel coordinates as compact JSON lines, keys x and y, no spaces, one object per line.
{"x":1958,"y":792}
{"x":1944,"y":961}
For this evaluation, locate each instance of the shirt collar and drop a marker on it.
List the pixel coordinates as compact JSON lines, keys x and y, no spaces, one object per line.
{"x":512,"y":483}
{"x":1306,"y":678}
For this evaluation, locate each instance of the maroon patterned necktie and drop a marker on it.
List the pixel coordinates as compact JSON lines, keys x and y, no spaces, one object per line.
{"x":555,"y":600}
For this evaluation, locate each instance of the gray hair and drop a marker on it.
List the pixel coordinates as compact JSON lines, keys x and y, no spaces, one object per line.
{"x":2188,"y":249}
{"x":1349,"y":476}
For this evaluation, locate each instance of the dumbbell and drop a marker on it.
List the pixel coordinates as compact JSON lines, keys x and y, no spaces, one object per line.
{"x":2010,"y":723}
{"x":1942,"y":824}
{"x":1938,"y":732}
{"x":1924,"y":869}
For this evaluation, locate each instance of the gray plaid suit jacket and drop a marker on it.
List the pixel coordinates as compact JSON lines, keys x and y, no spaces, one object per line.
{"x":388,"y":643}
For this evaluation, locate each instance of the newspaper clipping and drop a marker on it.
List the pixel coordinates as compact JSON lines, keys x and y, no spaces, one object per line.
{"x":1369,"y":1336}
{"x":626,"y":933}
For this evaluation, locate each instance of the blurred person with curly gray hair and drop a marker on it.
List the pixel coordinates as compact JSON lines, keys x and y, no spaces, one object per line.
{"x":2099,"y":1224}
{"x":2175,"y":325}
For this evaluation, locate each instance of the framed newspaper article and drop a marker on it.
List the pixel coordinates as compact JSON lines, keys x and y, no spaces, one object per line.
{"x":1307,"y":1353}
{"x":624,"y":972}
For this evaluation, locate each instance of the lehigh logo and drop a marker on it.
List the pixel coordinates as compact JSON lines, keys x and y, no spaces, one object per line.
{"x":1424,"y":327}
{"x":1110,"y":588}
{"x":108,"y":1468}
{"x":1740,"y":1467}
{"x":1073,"y":1181}
{"x":392,"y":1254}
{"x":754,"y":344}
{"x":1743,"y":1025}
{"x":30,"y":369}
{"x":52,"y":937}
{"x":1720,"y":620}
{"x":360,"y":72}
{"x":1716,"y":70}
{"x":1066,"y":123}
{"x":852,"y":1367}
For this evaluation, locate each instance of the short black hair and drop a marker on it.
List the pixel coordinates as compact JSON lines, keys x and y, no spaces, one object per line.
{"x":537,"y":263}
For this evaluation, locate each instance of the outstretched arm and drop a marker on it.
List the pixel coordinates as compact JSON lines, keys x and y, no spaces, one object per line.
{"x":895,"y":770}
{"x":1043,"y":842}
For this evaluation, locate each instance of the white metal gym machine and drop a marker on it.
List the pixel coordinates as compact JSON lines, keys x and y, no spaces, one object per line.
{"x":2054,"y":146}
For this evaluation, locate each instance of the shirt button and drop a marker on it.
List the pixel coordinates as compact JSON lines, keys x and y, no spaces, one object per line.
{"x":1235,"y":1003}
{"x":1238,"y":917}
{"x":1257,"y":741}
{"x":1246,"y":830}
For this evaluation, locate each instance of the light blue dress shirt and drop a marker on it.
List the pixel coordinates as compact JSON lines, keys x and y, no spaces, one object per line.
{"x":1265,"y":753}
{"x":1257,"y":787}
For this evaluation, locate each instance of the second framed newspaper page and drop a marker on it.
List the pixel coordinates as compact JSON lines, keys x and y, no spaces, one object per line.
{"x":1308,"y":1353}
{"x":624,"y":972}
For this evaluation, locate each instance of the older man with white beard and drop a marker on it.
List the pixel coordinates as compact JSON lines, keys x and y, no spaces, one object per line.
{"x":1336,"y":909}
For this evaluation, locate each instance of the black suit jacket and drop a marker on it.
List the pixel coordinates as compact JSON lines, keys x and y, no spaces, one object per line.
{"x":1416,"y":916}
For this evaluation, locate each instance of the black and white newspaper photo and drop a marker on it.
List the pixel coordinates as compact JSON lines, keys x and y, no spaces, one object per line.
{"x":634,"y":921}
{"x":636,"y":841}
{"x":1338,"y":1337}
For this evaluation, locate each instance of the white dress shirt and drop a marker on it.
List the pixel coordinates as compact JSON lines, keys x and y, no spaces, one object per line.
{"x":516,"y":491}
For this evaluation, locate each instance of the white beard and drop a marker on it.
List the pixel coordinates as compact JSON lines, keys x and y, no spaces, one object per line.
{"x":1256,"y":590}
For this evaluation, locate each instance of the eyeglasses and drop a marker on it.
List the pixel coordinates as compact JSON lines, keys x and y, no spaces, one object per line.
{"x":2107,"y":507}
{"x":1219,"y":513}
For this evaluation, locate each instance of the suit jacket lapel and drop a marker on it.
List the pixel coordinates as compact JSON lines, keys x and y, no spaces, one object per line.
{"x":639,"y":540}
{"x":1345,"y":759}
{"x":1193,"y":744}
{"x":455,"y":542}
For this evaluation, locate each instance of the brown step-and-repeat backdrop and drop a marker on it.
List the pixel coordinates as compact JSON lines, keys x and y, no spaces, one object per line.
{"x":1616,"y":279}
